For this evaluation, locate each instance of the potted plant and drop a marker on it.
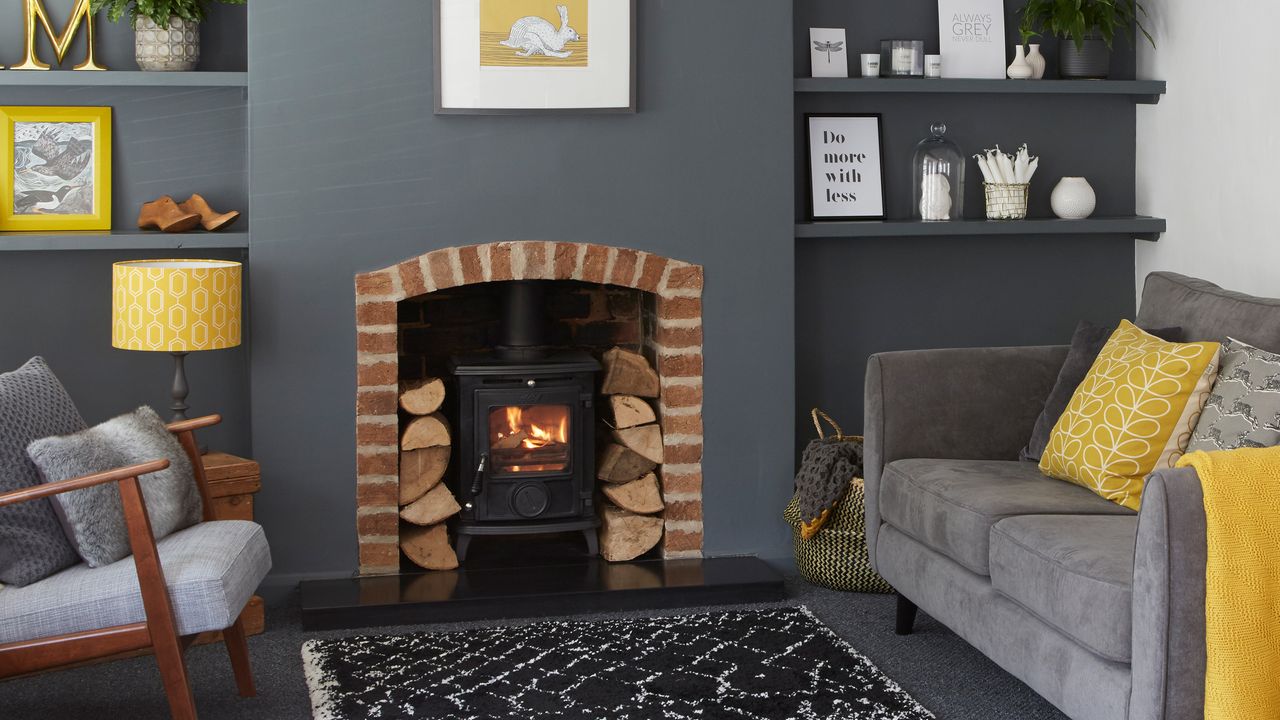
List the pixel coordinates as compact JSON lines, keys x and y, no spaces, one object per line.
{"x":1089,"y":25}
{"x":167,"y":32}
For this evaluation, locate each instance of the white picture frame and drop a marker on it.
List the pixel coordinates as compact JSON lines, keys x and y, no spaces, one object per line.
{"x":971,"y":38}
{"x":828,"y":52}
{"x":845,"y":166}
{"x":570,"y":65}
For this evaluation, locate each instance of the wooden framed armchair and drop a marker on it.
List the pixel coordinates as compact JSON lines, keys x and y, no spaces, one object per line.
{"x":193,"y":581}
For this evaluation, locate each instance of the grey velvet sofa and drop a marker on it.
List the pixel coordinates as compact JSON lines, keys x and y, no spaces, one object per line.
{"x":1095,"y":607}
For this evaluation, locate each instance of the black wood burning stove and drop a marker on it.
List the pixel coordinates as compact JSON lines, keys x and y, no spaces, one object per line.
{"x":526,"y":431}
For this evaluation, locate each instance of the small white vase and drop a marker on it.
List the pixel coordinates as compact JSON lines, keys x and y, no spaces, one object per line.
{"x":1036,"y":61}
{"x":1020,"y":69}
{"x":1073,"y":199}
{"x":172,"y":47}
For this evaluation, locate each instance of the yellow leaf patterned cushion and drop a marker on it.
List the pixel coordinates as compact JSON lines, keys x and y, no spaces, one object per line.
{"x":1134,"y":413}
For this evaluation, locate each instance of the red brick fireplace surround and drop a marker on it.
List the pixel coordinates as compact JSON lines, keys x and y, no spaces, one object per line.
{"x":673,"y":342}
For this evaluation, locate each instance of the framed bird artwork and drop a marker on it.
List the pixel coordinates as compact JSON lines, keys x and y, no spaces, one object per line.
{"x":56,"y":164}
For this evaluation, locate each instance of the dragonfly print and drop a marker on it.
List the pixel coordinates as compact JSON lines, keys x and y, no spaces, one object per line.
{"x":828,"y":47}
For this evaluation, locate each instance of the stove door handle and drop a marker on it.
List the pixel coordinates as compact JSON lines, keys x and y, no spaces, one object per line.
{"x":475,"y":484}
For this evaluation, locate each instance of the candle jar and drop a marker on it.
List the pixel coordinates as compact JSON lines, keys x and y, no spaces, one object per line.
{"x":902,"y":58}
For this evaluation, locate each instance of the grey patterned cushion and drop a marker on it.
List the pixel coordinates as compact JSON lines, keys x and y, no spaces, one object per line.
{"x":1244,"y":406}
{"x":94,"y":517}
{"x":33,"y":404}
{"x":211,"y":570}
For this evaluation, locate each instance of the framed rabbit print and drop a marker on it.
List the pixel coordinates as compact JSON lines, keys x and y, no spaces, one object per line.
{"x":535,"y":56}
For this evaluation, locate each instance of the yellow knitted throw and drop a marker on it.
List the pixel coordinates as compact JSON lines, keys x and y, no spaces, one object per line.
{"x":1242,"y":582}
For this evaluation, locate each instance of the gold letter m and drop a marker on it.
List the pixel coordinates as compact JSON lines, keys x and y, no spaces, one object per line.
{"x":61,"y":42}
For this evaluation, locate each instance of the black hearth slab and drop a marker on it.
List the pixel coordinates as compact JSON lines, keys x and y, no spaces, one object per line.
{"x":548,"y":590}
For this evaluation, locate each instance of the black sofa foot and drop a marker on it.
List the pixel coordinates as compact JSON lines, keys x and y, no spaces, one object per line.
{"x":906,"y":616}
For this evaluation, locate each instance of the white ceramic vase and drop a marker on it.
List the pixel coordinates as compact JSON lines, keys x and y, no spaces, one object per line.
{"x":1020,"y":69}
{"x":175,"y":47}
{"x":1073,"y":199}
{"x":1036,"y":61}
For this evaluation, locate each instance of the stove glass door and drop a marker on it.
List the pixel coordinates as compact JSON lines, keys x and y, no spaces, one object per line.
{"x":529,"y":439}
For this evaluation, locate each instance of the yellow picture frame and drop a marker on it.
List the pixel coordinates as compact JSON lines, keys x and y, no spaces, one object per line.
{"x":48,"y":156}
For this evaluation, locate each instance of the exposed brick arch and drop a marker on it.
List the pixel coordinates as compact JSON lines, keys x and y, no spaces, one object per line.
{"x":675,"y":344}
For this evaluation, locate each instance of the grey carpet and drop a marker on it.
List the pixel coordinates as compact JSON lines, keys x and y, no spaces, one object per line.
{"x":938,"y":668}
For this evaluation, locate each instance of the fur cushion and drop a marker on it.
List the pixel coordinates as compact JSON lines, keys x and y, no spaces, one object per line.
{"x":94,"y":517}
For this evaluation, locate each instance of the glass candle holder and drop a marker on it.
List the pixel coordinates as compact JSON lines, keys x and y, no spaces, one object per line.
{"x":902,"y":58}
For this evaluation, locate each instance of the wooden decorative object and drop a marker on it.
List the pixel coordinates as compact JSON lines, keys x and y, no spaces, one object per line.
{"x":423,"y":397}
{"x":628,"y":373}
{"x":625,"y":535}
{"x":434,"y":507}
{"x":618,"y":464}
{"x":425,"y":432}
{"x":211,"y":220}
{"x":421,"y":471}
{"x":638,"y":496}
{"x":164,"y":214}
{"x":428,"y":547}
{"x":645,"y":441}
{"x":630,"y":411}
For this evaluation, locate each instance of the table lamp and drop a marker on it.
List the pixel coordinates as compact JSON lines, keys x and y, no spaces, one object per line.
{"x":178,"y":307}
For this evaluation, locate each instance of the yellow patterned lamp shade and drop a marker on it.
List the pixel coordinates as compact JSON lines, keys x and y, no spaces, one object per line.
{"x":176,"y":306}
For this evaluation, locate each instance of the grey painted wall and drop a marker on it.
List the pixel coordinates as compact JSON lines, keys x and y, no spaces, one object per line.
{"x":352,"y":172}
{"x":166,"y":141}
{"x":858,"y":297}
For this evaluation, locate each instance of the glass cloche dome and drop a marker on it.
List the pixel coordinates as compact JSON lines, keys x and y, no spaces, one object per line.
{"x":938,"y":178}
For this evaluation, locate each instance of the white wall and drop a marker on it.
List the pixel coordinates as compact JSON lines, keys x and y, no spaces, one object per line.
{"x":1208,"y":155}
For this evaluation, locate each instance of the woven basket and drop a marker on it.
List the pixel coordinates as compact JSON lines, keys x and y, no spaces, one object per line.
{"x":837,"y":556}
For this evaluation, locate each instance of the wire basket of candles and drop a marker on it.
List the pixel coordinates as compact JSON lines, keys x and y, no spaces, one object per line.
{"x":1007,"y":183}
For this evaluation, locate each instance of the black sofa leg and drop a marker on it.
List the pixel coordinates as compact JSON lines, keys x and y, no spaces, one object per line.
{"x":906,"y":616}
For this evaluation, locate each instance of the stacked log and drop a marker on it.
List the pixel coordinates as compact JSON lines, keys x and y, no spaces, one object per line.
{"x":631,"y":509}
{"x":426,"y":503}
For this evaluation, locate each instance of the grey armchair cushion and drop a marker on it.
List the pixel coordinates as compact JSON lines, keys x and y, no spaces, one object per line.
{"x":1086,"y":345}
{"x":94,"y":517}
{"x":1207,"y":313}
{"x":951,"y":505}
{"x":1074,"y":573}
{"x":211,"y":571}
{"x":33,"y":404}
{"x":1244,"y":406}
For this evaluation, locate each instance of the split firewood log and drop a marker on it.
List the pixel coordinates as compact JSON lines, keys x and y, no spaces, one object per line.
{"x":630,"y":411}
{"x":428,"y":547}
{"x":424,"y":432}
{"x":645,"y":441}
{"x":638,"y":496}
{"x":422,"y":397}
{"x":628,"y":373}
{"x":436,"y":506}
{"x":625,"y":535}
{"x":618,"y":464}
{"x":421,"y":471}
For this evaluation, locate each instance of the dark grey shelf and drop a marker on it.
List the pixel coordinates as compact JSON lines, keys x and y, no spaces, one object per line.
{"x":121,"y":78}
{"x":1146,"y":92}
{"x":1137,"y":226}
{"x":135,"y":240}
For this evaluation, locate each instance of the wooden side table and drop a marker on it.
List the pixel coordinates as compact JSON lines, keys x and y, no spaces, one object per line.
{"x":233,"y":481}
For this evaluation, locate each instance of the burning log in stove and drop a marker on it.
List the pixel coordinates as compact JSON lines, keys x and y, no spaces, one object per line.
{"x":630,"y":520}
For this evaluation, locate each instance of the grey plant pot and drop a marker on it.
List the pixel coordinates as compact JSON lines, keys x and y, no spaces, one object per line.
{"x":171,"y":48}
{"x":1091,"y":62}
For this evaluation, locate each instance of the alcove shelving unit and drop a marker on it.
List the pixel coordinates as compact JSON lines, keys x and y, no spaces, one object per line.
{"x":1146,"y":92}
{"x":1138,"y":226}
{"x":122,"y":78}
{"x":122,"y":240}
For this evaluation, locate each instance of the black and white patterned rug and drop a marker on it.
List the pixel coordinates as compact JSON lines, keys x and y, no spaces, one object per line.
{"x":749,"y":665}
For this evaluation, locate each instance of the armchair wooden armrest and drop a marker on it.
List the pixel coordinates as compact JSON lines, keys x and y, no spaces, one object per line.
{"x":102,"y":478}
{"x":185,"y":430}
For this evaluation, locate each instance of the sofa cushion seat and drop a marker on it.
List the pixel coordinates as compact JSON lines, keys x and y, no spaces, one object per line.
{"x":951,"y":505}
{"x":1074,"y":573}
{"x":211,"y":570}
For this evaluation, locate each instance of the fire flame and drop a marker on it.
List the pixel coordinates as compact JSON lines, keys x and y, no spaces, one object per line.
{"x":537,"y":436}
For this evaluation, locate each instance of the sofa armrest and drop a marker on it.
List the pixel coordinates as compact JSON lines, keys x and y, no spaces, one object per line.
{"x":975,"y":403}
{"x":1168,"y":599}
{"x":46,"y":490}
